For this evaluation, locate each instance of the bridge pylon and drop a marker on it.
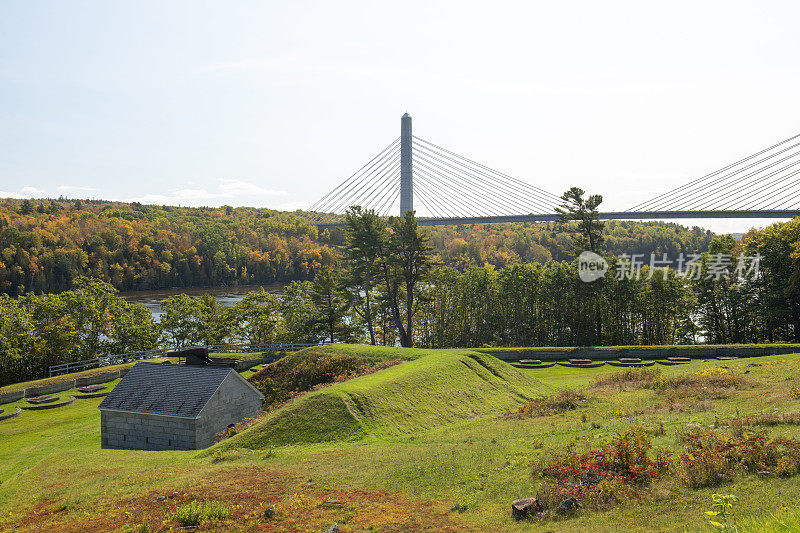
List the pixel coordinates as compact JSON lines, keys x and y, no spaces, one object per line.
{"x":406,"y":166}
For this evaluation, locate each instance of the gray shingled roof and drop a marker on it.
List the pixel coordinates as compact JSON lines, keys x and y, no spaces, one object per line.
{"x":175,"y":390}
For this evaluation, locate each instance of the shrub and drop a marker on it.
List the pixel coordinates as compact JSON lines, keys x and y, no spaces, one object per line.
{"x":721,"y":513}
{"x":605,"y":475}
{"x":560,"y":402}
{"x":711,"y":457}
{"x":215,"y":510}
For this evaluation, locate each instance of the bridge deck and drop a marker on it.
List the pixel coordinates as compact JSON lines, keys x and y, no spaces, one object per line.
{"x":614,"y":215}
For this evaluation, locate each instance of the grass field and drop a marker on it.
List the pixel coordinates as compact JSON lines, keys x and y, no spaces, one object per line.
{"x":427,"y":444}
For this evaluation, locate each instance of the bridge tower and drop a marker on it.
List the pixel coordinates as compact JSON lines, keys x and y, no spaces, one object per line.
{"x":406,"y":166}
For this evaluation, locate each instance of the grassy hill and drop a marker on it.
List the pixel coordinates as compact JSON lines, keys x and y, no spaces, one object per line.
{"x":430,"y":391}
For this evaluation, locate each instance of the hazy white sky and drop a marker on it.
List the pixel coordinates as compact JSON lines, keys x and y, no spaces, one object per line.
{"x":273,"y":103}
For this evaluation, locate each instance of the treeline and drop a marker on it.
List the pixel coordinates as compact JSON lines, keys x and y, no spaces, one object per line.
{"x":506,"y":244}
{"x":500,"y":245}
{"x":45,"y":245}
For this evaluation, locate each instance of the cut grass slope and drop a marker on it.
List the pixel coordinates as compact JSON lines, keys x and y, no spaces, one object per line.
{"x":430,"y":391}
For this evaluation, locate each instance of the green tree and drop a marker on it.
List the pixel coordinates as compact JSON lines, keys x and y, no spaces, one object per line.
{"x":183,"y":321}
{"x":582,"y":217}
{"x":365,"y":237}
{"x":406,"y":263}
{"x":257,"y":317}
{"x":328,"y":295}
{"x":300,"y":316}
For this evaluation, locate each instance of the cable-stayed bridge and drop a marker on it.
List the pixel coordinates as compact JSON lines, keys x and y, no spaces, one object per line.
{"x":447,"y":188}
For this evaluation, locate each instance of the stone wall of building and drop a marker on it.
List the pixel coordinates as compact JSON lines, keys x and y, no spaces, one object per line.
{"x":233,"y":402}
{"x":142,"y":431}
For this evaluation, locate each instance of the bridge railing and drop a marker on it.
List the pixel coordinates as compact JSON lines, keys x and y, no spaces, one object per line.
{"x":117,"y":359}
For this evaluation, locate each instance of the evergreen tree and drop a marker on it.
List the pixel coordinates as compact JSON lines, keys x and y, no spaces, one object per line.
{"x":588,"y":230}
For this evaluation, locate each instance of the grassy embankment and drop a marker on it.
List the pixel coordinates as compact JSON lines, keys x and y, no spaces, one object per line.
{"x":426,"y":443}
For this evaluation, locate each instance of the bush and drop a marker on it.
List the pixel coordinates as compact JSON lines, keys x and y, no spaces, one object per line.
{"x":607,"y":474}
{"x":711,"y":457}
{"x":302,"y":372}
{"x":189,"y":514}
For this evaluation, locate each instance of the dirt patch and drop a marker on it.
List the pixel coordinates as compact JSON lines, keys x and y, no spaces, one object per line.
{"x":297,"y":505}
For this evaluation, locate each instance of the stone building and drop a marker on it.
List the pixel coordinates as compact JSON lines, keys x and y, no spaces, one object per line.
{"x":159,"y":406}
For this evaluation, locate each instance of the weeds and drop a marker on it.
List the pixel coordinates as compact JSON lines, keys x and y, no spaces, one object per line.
{"x":638,"y":377}
{"x":721,"y":513}
{"x":195,"y":512}
{"x":560,"y":402}
{"x":766,"y":419}
{"x":464,"y":503}
{"x":711,"y":383}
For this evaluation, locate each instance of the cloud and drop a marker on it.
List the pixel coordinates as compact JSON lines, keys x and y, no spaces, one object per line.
{"x":228,"y":191}
{"x":5,"y":194}
{"x":237,"y":187}
{"x":24,"y":192}
{"x":75,"y":188}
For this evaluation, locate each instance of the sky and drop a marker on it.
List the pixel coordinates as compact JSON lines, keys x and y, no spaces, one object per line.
{"x":272,"y":104}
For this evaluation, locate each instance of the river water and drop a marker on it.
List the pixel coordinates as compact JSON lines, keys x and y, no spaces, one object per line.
{"x":226,"y":296}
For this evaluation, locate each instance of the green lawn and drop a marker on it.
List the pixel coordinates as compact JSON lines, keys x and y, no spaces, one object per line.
{"x":423,"y":444}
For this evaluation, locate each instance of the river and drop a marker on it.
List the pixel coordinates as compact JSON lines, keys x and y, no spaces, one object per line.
{"x":226,"y":296}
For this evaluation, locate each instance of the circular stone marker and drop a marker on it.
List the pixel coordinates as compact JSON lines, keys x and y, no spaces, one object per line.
{"x":92,"y":388}
{"x":41,"y":399}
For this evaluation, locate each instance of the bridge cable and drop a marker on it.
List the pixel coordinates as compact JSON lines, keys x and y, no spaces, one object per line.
{"x":644,"y":205}
{"x":362,"y":195}
{"x":507,"y":196}
{"x":736,"y":180}
{"x":357,"y":174}
{"x":444,"y":199}
{"x":345,"y":200}
{"x":509,"y":178}
{"x":422,"y":162}
{"x":365,"y":178}
{"x":524,"y":188}
{"x":762,"y":186}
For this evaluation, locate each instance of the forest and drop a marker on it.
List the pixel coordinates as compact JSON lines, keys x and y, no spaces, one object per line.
{"x":46,"y":244}
{"x":387,"y":283}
